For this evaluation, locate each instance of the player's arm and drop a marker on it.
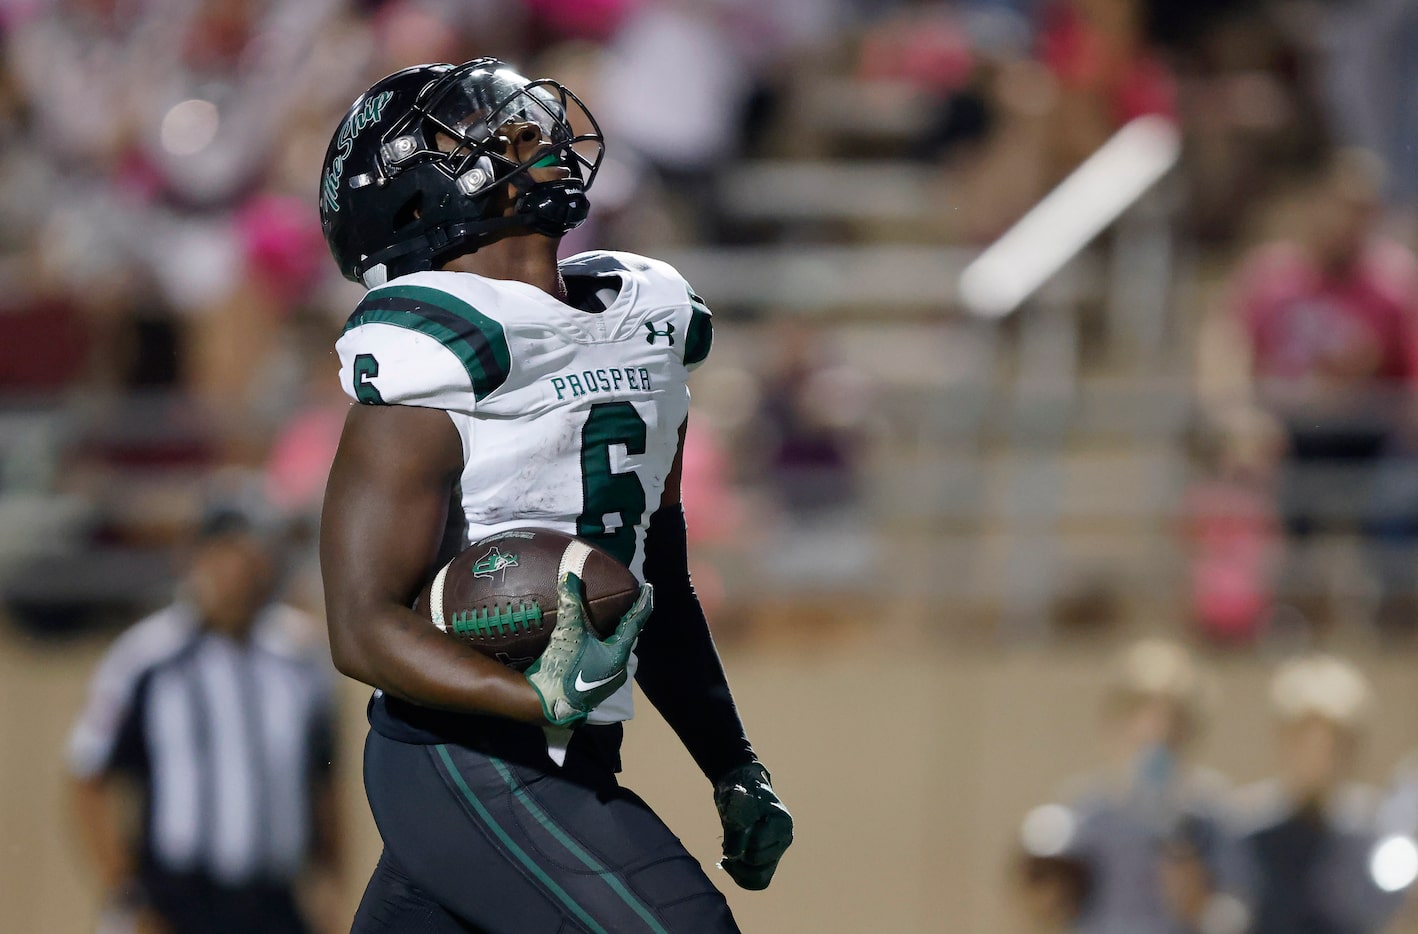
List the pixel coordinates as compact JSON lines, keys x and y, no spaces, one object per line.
{"x":680,"y":670}
{"x":682,"y":675}
{"x":385,"y":511}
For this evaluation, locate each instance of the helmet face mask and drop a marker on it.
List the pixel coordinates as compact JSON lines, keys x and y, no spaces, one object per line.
{"x":460,"y":123}
{"x":419,"y":171}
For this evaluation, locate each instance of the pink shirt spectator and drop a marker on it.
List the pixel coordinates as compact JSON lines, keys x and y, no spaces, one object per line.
{"x":596,"y":20}
{"x":1132,"y":79}
{"x":1325,"y":335}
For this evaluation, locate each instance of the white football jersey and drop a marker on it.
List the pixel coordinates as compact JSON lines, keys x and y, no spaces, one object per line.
{"x":569,"y":419}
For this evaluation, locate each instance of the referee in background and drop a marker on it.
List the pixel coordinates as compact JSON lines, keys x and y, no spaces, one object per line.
{"x":215,"y":716}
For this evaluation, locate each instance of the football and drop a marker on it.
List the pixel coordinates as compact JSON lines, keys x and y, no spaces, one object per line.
{"x":499,"y":594}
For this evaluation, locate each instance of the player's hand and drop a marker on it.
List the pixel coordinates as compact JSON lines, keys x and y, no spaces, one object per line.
{"x":577,"y":671}
{"x":757,"y":827}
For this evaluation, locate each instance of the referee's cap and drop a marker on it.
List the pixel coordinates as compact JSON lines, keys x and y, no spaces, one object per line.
{"x":226,"y":516}
{"x":1323,"y":686}
{"x":1161,"y":669}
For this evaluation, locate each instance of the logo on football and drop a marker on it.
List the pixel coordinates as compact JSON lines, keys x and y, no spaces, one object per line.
{"x":494,"y":563}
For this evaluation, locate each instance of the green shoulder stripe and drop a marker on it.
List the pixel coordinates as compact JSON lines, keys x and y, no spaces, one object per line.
{"x":477,"y":340}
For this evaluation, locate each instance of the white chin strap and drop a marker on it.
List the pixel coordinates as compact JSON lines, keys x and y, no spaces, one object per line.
{"x":375,"y":276}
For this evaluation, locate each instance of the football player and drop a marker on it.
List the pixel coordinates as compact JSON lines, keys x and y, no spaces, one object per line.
{"x":498,"y":387}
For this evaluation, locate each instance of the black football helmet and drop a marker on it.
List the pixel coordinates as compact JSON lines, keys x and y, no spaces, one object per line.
{"x":416,"y":173}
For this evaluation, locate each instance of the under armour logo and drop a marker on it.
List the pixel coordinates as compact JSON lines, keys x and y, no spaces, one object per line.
{"x":668,"y":333}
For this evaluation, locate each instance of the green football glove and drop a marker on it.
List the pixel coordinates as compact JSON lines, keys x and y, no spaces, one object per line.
{"x":757,"y":827}
{"x":577,"y":671}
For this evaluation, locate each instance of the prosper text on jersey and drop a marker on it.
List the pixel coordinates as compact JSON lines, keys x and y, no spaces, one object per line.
{"x":603,"y":379}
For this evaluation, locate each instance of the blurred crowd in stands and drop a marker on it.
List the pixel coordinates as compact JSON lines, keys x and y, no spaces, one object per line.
{"x":168,"y":306}
{"x":1154,"y":841}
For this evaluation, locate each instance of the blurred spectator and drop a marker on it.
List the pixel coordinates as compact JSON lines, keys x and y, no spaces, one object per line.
{"x":1247,"y":99}
{"x":1107,"y":71}
{"x":580,"y":19}
{"x":312,"y":410}
{"x":929,"y":49}
{"x":1370,"y":69}
{"x":1309,"y":832}
{"x":675,"y":59}
{"x":1232,"y":528}
{"x":803,"y":449}
{"x":1143,"y":845}
{"x":218,"y":712}
{"x":1329,"y":324}
{"x":159,"y":135}
{"x":713,"y":510}
{"x":810,"y":421}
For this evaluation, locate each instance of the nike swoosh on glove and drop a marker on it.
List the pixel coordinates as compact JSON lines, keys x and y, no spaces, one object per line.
{"x":577,"y":671}
{"x":757,"y":827}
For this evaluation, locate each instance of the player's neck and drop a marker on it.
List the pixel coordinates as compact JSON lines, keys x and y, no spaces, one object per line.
{"x":529,"y":259}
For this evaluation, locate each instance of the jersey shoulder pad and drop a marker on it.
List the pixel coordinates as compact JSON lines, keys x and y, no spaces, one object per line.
{"x":430,"y":339}
{"x":657,"y":280}
{"x":661,"y":286}
{"x":698,"y":321}
{"x":699,"y":335}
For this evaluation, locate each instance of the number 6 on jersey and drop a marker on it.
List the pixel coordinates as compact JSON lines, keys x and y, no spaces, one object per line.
{"x":614,"y":503}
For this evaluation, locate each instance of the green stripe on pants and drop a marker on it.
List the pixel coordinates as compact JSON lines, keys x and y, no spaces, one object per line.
{"x":590,"y":862}
{"x":511,"y":845}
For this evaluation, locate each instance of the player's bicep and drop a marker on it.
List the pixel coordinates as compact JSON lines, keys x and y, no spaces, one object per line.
{"x":385,"y":508}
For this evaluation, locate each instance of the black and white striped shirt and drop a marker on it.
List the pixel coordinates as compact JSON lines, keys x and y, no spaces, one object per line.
{"x":228,"y":738}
